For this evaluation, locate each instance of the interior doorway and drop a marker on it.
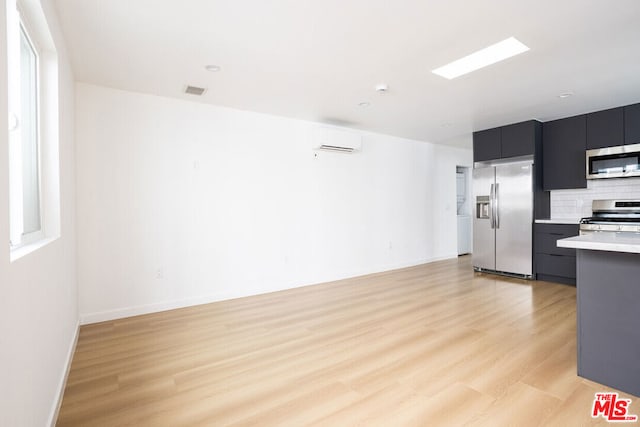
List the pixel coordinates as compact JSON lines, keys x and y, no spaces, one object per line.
{"x":463,"y":199}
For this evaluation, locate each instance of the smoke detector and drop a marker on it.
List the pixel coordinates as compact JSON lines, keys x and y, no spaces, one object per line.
{"x":382,"y":88}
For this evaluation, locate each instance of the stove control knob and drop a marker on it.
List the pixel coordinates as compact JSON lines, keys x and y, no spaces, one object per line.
{"x":596,"y":227}
{"x":619,"y":228}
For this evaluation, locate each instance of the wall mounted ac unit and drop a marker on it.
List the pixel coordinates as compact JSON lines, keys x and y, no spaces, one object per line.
{"x":332,"y":139}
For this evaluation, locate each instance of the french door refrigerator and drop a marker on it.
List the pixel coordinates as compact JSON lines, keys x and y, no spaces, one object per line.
{"x":502,"y":221}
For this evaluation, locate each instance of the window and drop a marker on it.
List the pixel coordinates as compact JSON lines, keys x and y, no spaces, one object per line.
{"x":34,"y":198}
{"x":31,"y":221}
{"x":25,"y":162}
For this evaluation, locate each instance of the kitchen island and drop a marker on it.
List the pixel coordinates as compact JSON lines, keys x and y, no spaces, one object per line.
{"x":608,"y":307}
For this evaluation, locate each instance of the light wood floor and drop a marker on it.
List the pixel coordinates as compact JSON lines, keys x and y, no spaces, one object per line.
{"x":430,"y":345}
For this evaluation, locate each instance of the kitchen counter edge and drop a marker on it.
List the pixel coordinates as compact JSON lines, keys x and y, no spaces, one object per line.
{"x":612,"y":242}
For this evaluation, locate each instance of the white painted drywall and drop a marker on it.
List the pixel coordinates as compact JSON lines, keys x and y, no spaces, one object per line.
{"x":38,"y":292}
{"x":182,"y":203}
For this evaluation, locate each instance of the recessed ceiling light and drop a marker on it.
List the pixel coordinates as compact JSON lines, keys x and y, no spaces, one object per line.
{"x":382,"y":88}
{"x":212,"y":68}
{"x":565,"y":95}
{"x":482,"y":58}
{"x":364,"y":104}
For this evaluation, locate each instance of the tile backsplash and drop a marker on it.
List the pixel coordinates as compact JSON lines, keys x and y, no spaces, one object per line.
{"x":577,"y":203}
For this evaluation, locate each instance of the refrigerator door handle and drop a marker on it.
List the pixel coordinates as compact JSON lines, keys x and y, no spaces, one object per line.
{"x":492,"y":195}
{"x":496,"y":205}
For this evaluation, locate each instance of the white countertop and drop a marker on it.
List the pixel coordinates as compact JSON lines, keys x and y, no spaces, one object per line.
{"x":613,"y":242}
{"x":558,"y":221}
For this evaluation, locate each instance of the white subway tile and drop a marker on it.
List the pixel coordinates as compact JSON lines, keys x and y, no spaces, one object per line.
{"x":577,"y":203}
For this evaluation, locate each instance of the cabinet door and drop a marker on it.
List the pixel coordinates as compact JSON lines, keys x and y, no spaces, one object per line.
{"x":605,"y":128}
{"x":546,"y":238}
{"x":518,"y":139}
{"x":486,"y":145}
{"x":556,"y":265}
{"x":632,"y":124}
{"x":563,"y":152}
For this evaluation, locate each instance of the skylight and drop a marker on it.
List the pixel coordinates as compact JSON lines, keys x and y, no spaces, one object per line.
{"x":482,"y":58}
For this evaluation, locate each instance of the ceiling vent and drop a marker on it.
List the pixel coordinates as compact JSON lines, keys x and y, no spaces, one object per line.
{"x":194,"y":90}
{"x":331,"y":139}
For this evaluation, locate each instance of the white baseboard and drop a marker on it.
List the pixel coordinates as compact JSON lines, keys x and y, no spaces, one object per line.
{"x":392,"y":266}
{"x":62,"y":383}
{"x":414,"y":263}
{"x":103,"y":316}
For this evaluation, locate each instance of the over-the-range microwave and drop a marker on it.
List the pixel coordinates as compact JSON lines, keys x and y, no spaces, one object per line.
{"x":614,"y":162}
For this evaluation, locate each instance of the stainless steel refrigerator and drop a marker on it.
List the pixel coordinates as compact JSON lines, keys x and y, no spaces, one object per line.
{"x":502,"y":221}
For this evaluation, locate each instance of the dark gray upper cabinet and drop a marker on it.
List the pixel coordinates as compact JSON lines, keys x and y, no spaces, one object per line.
{"x":486,"y":145}
{"x":564,"y":143}
{"x":514,"y":140}
{"x":632,"y":124}
{"x":519,"y":139}
{"x":605,"y":128}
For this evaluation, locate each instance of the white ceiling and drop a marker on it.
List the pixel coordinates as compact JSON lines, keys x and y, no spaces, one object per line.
{"x":317,"y":59}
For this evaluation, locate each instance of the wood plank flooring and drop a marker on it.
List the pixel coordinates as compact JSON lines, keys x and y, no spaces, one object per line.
{"x":431,"y":345}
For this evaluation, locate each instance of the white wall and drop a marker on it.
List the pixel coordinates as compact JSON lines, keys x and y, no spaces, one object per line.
{"x":576,"y":204}
{"x":182,"y":203}
{"x":38,"y":293}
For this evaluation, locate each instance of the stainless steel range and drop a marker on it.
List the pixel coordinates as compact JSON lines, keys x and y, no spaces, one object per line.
{"x":612,"y":216}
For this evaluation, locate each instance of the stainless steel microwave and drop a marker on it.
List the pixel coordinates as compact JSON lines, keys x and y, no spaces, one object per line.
{"x":614,"y":162}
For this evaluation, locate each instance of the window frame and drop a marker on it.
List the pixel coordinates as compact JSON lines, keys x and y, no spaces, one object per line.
{"x":27,"y":17}
{"x":39,"y":234}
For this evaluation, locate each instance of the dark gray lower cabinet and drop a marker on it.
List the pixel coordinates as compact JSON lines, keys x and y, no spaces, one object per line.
{"x":608,"y":318}
{"x":555,"y":264}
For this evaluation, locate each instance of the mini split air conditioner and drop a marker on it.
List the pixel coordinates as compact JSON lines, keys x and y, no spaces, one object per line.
{"x":332,"y":139}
